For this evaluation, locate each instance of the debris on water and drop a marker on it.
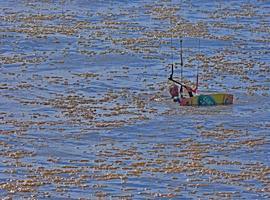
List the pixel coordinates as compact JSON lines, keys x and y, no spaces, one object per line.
{"x":84,"y":106}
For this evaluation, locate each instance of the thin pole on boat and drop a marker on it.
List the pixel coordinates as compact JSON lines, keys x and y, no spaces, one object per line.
{"x":171,"y":76}
{"x":181,"y":53}
{"x":171,"y":43}
{"x":181,"y":63}
{"x":181,"y":57}
{"x":197,"y":78}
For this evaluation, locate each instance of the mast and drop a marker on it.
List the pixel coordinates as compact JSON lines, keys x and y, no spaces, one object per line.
{"x":181,"y":58}
{"x":197,"y":78}
{"x":171,"y":76}
{"x":181,"y":62}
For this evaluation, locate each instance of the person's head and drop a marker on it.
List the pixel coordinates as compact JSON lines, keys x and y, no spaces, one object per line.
{"x":174,"y":90}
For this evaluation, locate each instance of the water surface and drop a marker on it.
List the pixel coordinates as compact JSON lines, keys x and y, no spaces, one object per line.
{"x":85,"y":111}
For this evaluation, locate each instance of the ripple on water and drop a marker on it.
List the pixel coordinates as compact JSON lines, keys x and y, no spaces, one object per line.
{"x":85,"y":111}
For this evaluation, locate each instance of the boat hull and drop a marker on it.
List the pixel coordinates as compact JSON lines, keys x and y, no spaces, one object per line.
{"x":208,"y":100}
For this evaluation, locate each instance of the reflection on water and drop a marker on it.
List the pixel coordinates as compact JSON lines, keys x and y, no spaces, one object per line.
{"x":85,"y":111}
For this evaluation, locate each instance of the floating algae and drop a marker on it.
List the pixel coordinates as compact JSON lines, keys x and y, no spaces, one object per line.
{"x":85,"y":112}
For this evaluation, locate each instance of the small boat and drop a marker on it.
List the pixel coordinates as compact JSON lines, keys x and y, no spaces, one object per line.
{"x":208,"y":100}
{"x":196,"y":100}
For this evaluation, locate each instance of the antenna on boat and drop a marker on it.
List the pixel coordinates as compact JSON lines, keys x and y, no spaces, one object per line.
{"x":181,"y":57}
{"x":181,"y":63}
{"x":197,"y":78}
{"x":171,"y":76}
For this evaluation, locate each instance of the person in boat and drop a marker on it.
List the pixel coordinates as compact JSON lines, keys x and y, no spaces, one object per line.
{"x":174,"y":91}
{"x":177,"y":94}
